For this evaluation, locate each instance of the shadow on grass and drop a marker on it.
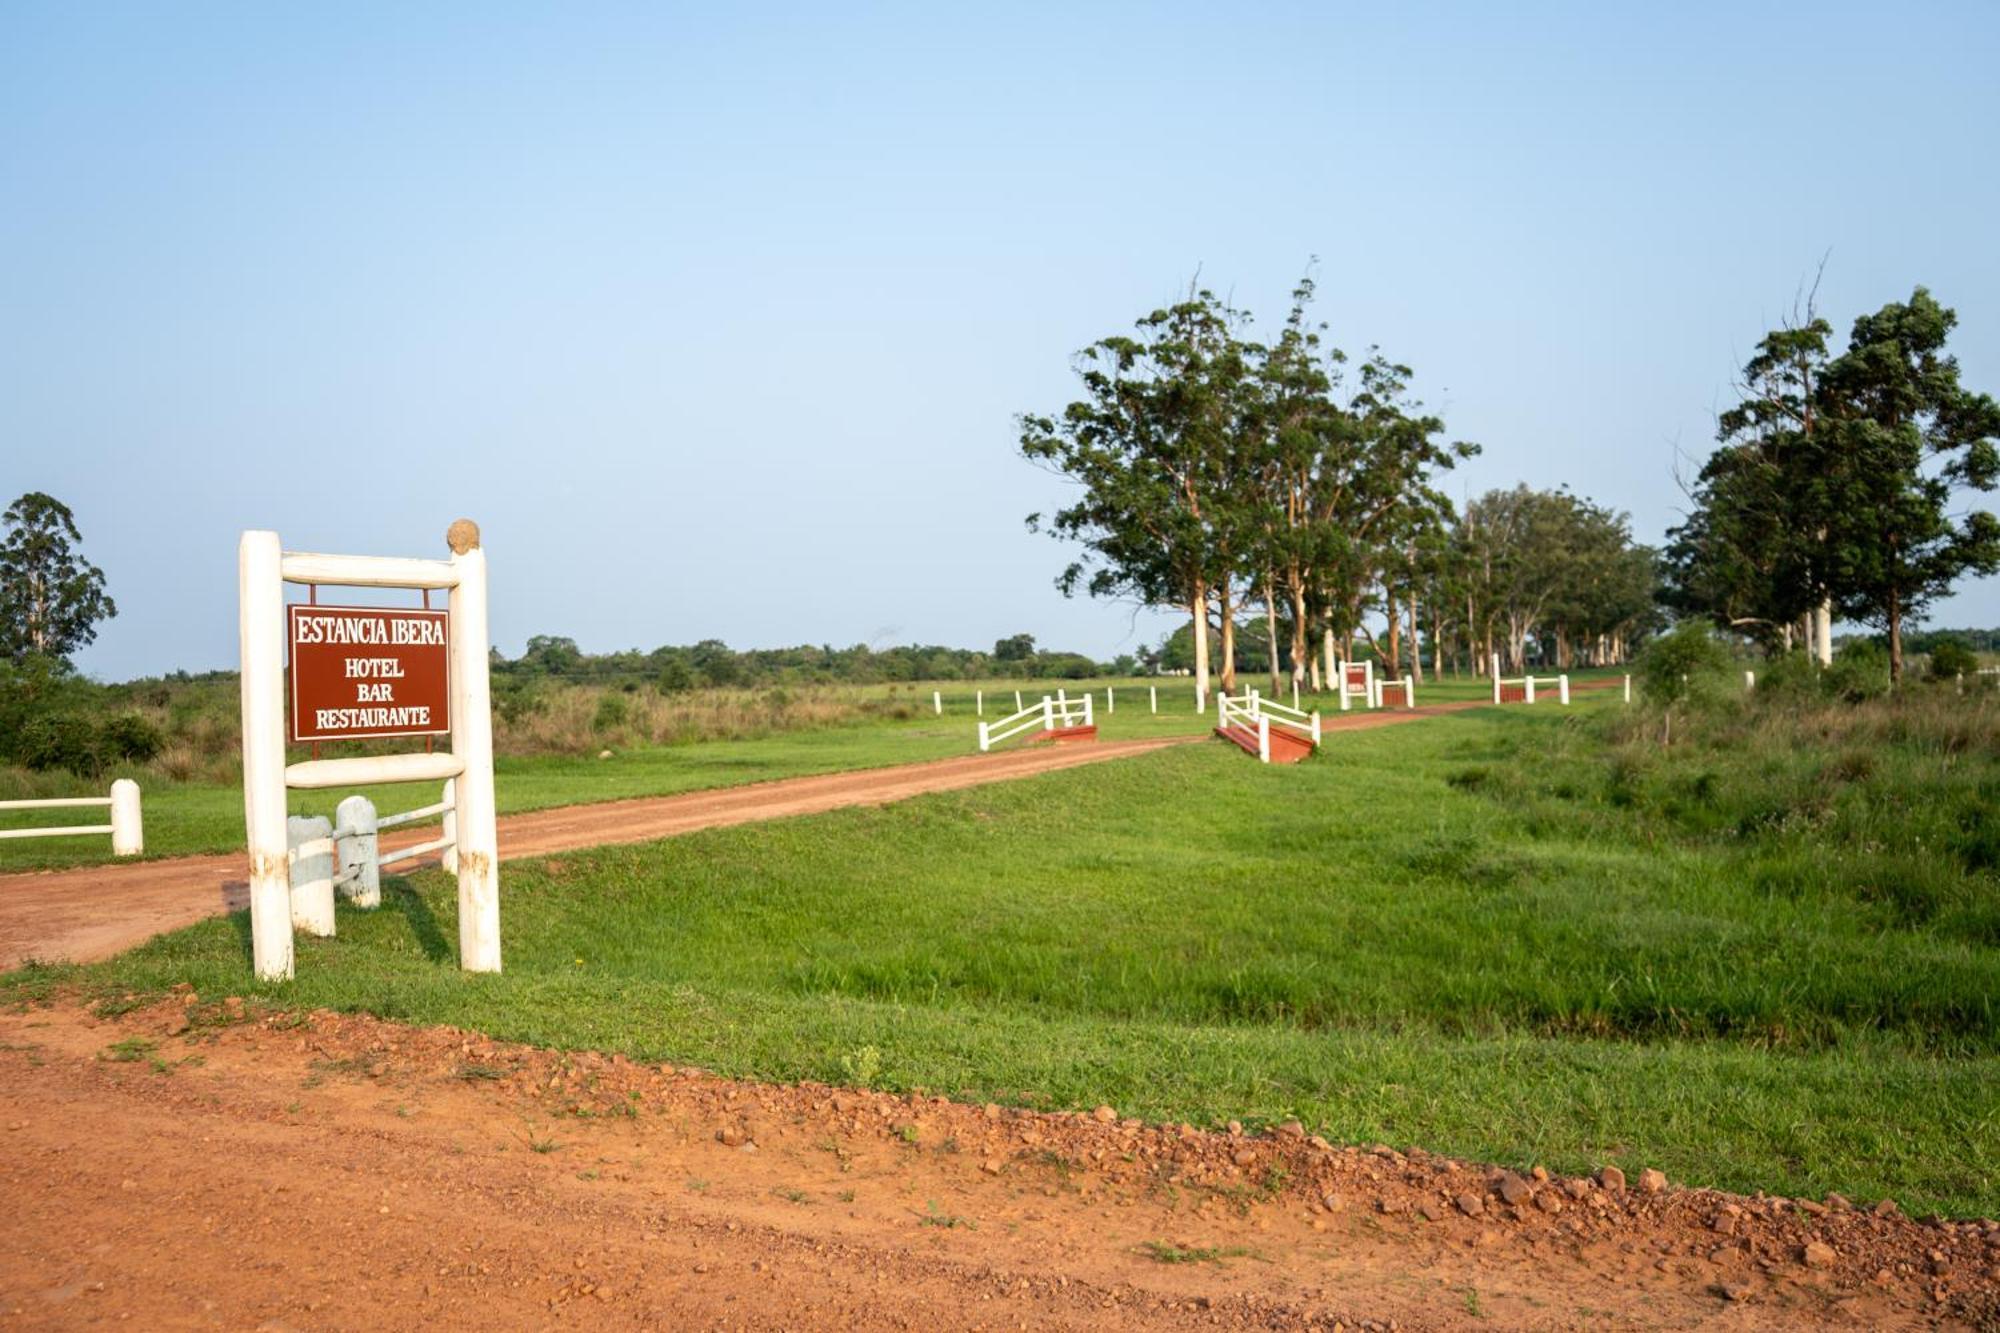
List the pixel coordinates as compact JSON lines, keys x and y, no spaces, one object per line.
{"x":422,"y":921}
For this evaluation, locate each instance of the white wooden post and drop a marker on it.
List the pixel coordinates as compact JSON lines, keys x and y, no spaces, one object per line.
{"x":1628,"y":689}
{"x":1315,"y":722}
{"x":1529,"y":688}
{"x":1562,"y":689}
{"x":1153,"y":692}
{"x":1410,"y":691}
{"x":1110,"y":699}
{"x":979,"y":702}
{"x":472,"y":745}
{"x":260,"y":591}
{"x":1264,"y":737}
{"x":1017,"y":701}
{"x":1342,"y":688}
{"x":1749,"y":680}
{"x":1089,"y":715}
{"x":984,"y":744}
{"x":1295,"y":692}
{"x":356,"y":840}
{"x":311,"y":873}
{"x":937,"y":702}
{"x":128,"y":830}
{"x":449,"y":832}
{"x":1048,"y":714}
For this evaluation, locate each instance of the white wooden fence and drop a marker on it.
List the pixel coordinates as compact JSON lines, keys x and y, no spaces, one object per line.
{"x":1257,"y":714}
{"x":127,"y":828}
{"x":1528,"y":684}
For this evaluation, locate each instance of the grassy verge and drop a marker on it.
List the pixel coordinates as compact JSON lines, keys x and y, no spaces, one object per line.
{"x":1375,"y":942}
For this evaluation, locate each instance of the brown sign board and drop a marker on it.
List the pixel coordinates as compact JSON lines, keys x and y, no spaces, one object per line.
{"x":364,"y":672}
{"x":1357,"y":676}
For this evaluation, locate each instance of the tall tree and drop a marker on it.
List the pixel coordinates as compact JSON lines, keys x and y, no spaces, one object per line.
{"x":1149,"y":446}
{"x":1906,"y":438}
{"x":51,"y":598}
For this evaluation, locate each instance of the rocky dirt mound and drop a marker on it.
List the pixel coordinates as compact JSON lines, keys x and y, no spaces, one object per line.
{"x":199,"y":1163}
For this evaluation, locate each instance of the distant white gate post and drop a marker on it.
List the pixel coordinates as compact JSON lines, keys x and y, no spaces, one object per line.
{"x":1110,"y":699}
{"x":1263,"y":735}
{"x":1749,"y":680}
{"x":1153,"y":692}
{"x":1628,"y":689}
{"x":937,"y":703}
{"x":1562,"y":689}
{"x":1529,"y":690}
{"x":1410,"y":691}
{"x":1496,"y":678}
{"x":128,"y":829}
{"x":979,"y":703}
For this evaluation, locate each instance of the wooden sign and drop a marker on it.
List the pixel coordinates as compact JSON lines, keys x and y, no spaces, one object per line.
{"x":365,"y":672}
{"x":1357,"y":675}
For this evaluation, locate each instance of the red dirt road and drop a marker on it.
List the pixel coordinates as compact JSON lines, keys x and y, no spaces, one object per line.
{"x":200,"y":1165}
{"x":93,"y":912}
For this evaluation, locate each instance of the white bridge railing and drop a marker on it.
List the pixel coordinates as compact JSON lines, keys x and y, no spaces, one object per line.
{"x":1049,"y":714}
{"x":127,"y":828}
{"x":1257,"y":714}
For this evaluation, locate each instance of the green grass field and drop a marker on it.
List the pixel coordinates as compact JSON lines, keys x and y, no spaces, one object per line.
{"x":183,"y":818}
{"x":1456,"y":933}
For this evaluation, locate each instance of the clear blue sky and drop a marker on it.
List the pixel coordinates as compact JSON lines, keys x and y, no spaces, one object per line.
{"x":717,"y":321}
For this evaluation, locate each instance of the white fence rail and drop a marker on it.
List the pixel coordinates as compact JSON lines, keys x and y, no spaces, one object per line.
{"x":127,"y":827}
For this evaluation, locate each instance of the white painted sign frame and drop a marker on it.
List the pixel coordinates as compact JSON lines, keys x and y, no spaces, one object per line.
{"x":263,"y":569}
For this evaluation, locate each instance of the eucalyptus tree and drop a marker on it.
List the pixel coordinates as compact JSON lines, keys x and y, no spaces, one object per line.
{"x":1149,"y":446}
{"x":1907,"y":439}
{"x":51,"y":598}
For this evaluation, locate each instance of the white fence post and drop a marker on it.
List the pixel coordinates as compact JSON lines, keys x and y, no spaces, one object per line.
{"x":128,"y":830}
{"x":1529,"y":689}
{"x":357,"y":842}
{"x":449,"y":859}
{"x":261,"y":593}
{"x":311,"y":873}
{"x":1048,"y":714}
{"x":937,"y":702}
{"x":1315,"y":722}
{"x":1628,"y":689}
{"x":1110,"y":699}
{"x":1089,"y":713}
{"x":1496,"y":678}
{"x":1017,"y":701}
{"x":1749,"y":680}
{"x":1562,"y":689}
{"x":478,"y":840}
{"x":1409,"y":691}
{"x":984,"y":744}
{"x":979,"y":702}
{"x":1263,"y":738}
{"x":1153,"y":692}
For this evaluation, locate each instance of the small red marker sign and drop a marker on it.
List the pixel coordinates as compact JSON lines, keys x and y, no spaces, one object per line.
{"x":364,"y":672}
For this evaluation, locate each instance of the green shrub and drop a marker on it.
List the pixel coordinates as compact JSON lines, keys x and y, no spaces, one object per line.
{"x":1860,"y":671}
{"x":1686,"y":662}
{"x":612,"y":713}
{"x":1951,"y":659}
{"x":131,"y":739}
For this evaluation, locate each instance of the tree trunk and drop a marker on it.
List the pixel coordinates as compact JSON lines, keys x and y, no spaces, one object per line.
{"x":1302,"y":658}
{"x":1228,"y":604}
{"x":1271,"y":632}
{"x":1895,"y":637}
{"x":1199,"y":604}
{"x":1395,"y":639}
{"x":1332,"y":659}
{"x":1822,"y":640}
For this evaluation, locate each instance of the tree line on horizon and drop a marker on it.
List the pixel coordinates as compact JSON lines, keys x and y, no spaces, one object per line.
{"x":1217,"y":475}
